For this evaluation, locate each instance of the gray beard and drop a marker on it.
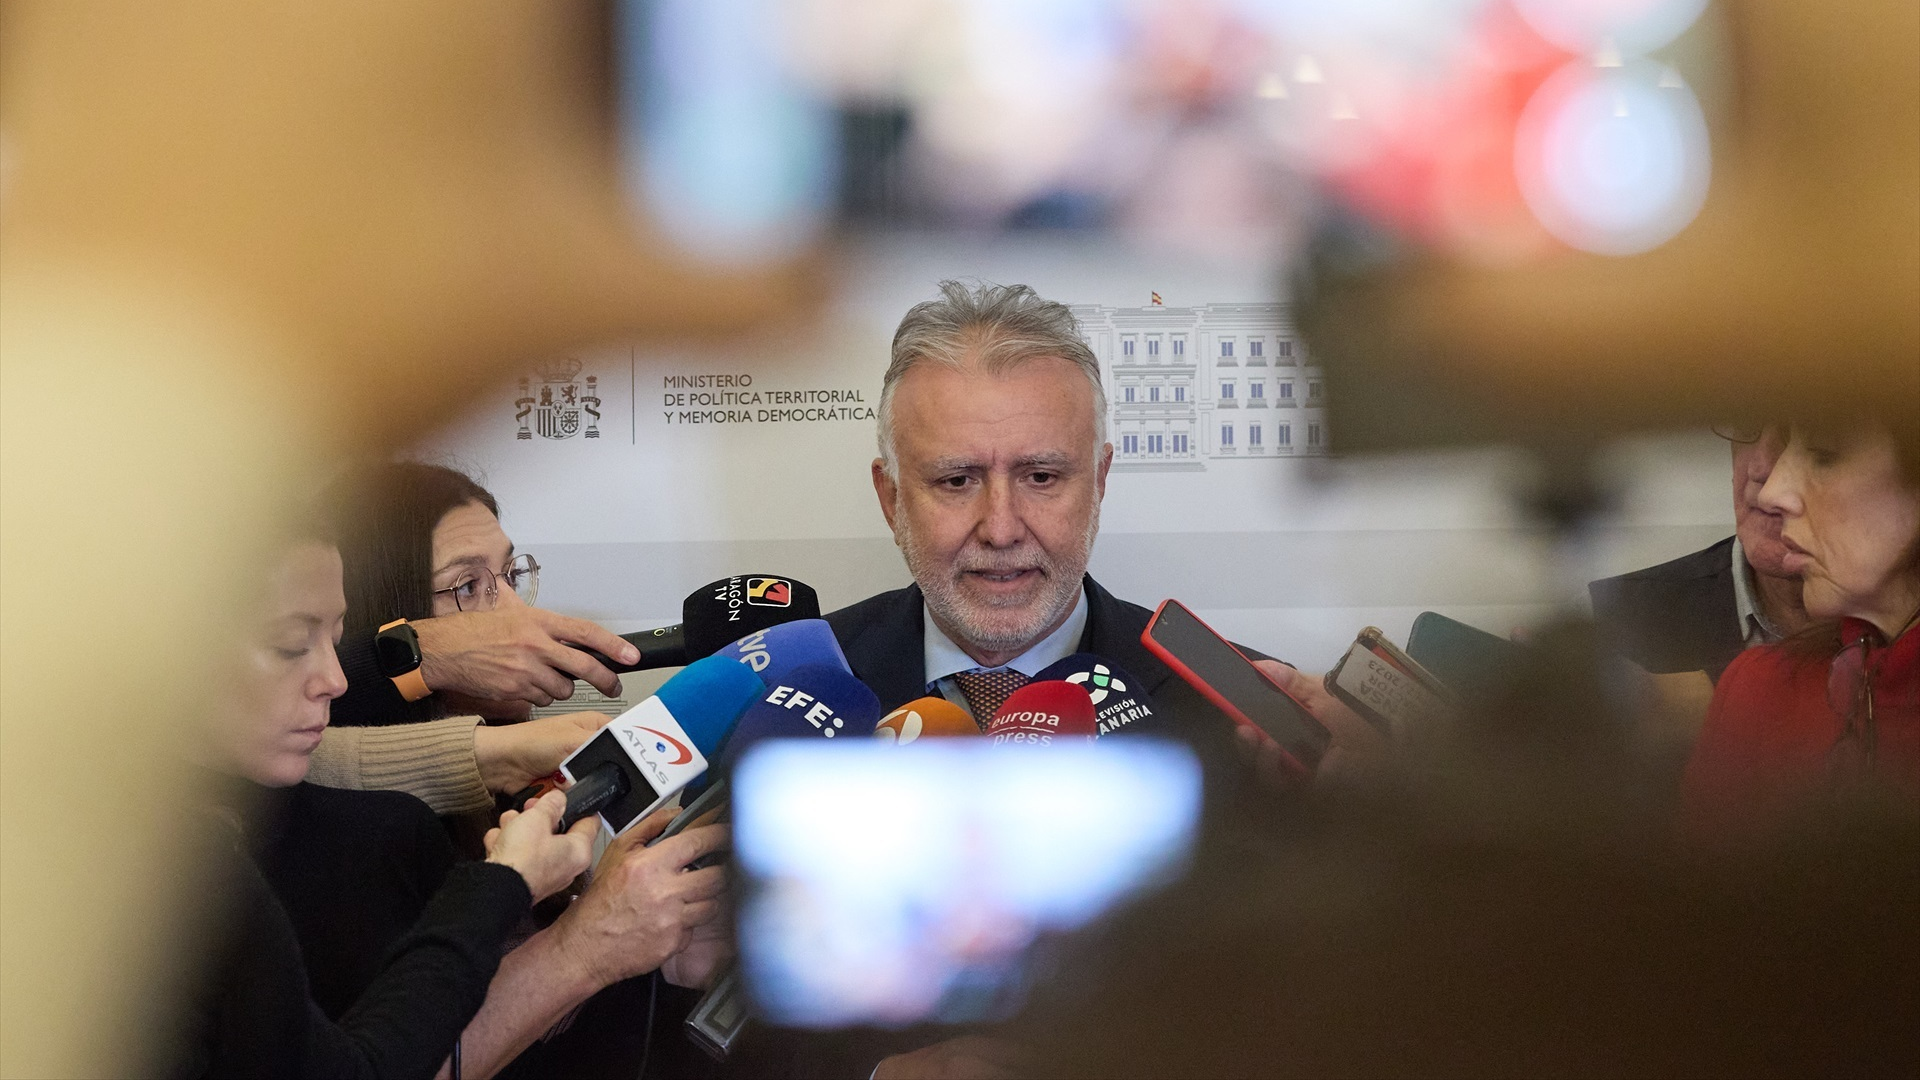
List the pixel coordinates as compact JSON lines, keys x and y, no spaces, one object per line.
{"x":985,"y":627}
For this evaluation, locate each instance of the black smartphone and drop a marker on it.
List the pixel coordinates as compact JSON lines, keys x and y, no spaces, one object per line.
{"x":1211,"y":665}
{"x":1466,"y":658}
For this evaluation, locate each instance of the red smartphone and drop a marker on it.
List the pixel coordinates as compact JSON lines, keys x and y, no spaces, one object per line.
{"x":1223,"y":676}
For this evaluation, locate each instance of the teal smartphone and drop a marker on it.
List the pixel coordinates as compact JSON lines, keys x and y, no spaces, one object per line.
{"x":1466,"y":658}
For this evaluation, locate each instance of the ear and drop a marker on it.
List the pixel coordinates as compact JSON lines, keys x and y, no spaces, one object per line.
{"x":888,"y":491}
{"x":1100,"y":473}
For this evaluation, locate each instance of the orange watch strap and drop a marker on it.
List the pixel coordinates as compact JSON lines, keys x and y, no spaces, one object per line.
{"x":412,"y":685}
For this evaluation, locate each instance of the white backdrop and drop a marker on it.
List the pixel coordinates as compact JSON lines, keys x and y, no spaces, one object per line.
{"x":1292,"y":555}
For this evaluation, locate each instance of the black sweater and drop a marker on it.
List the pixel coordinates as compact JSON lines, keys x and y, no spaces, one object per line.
{"x":251,"y":1013}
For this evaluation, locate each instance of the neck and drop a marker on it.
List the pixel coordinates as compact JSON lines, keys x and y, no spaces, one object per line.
{"x":1780,"y":603}
{"x":1899,"y":611}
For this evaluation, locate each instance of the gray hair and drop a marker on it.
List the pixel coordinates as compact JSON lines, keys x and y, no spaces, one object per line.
{"x":999,"y":327}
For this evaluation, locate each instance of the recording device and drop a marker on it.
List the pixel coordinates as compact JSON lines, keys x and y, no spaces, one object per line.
{"x":925,"y":718}
{"x":927,"y":907}
{"x":1117,"y":705}
{"x":776,"y":650}
{"x":664,"y":742}
{"x":718,"y":613}
{"x":1041,"y":713}
{"x":1388,"y":688}
{"x":593,"y":792}
{"x":1465,"y":658}
{"x":1211,"y":665}
{"x":811,"y":703}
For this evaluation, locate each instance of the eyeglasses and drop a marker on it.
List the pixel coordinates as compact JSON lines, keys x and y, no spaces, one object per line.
{"x":1744,"y":434}
{"x":480,"y":589}
{"x":1850,"y":695}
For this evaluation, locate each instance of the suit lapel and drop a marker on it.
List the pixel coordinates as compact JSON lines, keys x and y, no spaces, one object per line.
{"x":1113,"y":631}
{"x":889,"y":653}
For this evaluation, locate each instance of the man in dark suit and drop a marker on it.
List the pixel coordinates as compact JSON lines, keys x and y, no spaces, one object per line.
{"x":1699,"y":611}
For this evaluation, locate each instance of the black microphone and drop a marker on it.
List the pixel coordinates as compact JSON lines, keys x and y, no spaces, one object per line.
{"x":594,"y":792}
{"x":717,"y":615}
{"x":1120,"y":702}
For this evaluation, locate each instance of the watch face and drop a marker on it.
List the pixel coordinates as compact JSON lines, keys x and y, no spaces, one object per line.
{"x":398,"y":650}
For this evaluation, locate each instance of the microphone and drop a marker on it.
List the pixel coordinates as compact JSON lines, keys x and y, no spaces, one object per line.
{"x":777,"y":650}
{"x":926,"y":718}
{"x":657,"y":747}
{"x":715,"y":614}
{"x":811,"y":701}
{"x":1118,"y":701}
{"x":1044,"y":712}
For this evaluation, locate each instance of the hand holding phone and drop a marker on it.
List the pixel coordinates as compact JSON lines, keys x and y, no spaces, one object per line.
{"x":1211,"y":665}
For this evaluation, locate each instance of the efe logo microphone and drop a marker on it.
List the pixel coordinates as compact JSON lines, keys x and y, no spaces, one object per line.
{"x":769,"y":592}
{"x":819,"y":716}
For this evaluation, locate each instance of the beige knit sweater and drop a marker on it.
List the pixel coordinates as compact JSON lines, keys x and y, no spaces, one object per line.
{"x":433,"y":761}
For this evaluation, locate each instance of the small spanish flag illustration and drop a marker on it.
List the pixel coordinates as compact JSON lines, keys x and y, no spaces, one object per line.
{"x":1157,"y":302}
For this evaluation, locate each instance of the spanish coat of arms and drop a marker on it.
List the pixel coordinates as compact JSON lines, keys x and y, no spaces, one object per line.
{"x":554,"y":407}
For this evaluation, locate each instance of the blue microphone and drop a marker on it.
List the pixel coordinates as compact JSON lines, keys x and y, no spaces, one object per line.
{"x":813,"y":701}
{"x":776,"y":650}
{"x":1119,"y":701}
{"x":661,"y":745}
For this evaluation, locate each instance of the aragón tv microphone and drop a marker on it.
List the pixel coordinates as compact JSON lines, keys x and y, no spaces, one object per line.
{"x":1119,"y":700}
{"x":925,"y":718}
{"x":717,"y":613}
{"x":661,"y":744}
{"x":1044,"y":712}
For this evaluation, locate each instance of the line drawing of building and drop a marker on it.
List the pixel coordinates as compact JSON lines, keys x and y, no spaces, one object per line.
{"x":1214,"y":381}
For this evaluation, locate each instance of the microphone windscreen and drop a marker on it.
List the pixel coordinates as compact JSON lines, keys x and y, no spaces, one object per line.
{"x":731,"y":608}
{"x":779,"y":649}
{"x":1044,"y":712}
{"x":816,"y":701}
{"x":707,"y":696}
{"x":1119,"y":701}
{"x":926,"y":718}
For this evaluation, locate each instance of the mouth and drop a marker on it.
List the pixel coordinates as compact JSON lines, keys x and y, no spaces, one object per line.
{"x":1796,"y":559}
{"x":1002,"y":578}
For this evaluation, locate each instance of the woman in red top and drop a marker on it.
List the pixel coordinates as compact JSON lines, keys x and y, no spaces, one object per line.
{"x":1834,"y":710}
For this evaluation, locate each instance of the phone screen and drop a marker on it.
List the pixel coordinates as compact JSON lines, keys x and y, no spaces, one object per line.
{"x":887,"y":887}
{"x":1216,"y":663}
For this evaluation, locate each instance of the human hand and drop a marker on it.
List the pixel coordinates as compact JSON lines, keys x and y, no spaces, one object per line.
{"x":1358,"y":747}
{"x":511,"y":756}
{"x":517,"y":654}
{"x":643,"y":903}
{"x":526,"y":841}
{"x":708,"y":949}
{"x":970,"y":1057}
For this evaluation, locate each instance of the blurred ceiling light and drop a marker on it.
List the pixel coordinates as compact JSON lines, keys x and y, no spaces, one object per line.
{"x":1630,"y":27}
{"x":1610,"y":162}
{"x":1307,"y":71}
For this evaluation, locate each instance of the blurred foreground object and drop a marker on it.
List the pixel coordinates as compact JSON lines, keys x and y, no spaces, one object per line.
{"x":1796,"y":291}
{"x":239,"y":242}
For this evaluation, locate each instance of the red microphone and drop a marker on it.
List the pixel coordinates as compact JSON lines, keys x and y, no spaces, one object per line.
{"x":1045,"y":712}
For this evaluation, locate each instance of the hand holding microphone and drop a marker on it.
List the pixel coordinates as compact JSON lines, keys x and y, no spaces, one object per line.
{"x":643,"y":904}
{"x":504,"y":661}
{"x":527,"y":842}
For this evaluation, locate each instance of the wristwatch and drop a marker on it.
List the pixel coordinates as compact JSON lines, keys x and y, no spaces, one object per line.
{"x":397,"y":648}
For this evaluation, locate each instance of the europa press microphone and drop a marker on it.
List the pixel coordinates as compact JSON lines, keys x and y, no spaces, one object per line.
{"x":717,"y":613}
{"x":651,"y":751}
{"x":1119,"y":704}
{"x":1044,"y":712}
{"x":812,"y":701}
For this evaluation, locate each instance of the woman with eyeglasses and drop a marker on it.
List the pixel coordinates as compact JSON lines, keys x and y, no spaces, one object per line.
{"x":1833,"y":711}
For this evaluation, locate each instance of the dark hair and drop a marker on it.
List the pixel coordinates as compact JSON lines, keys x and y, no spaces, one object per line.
{"x":383,"y":516}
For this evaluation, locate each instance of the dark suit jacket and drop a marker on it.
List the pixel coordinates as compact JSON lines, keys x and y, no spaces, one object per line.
{"x":884,"y":638}
{"x":1678,"y":616}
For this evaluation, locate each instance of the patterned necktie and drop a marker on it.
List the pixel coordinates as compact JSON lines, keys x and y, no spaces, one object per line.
{"x":986,"y":691}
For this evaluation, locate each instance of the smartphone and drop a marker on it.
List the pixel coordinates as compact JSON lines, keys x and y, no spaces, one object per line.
{"x":1388,"y":688}
{"x":1465,"y":658}
{"x":884,"y":889}
{"x":1214,"y":667}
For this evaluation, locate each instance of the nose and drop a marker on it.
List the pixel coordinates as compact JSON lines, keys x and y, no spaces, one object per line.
{"x":505,"y":596}
{"x":332,"y":679}
{"x":1001,"y":525}
{"x":1785,"y":476}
